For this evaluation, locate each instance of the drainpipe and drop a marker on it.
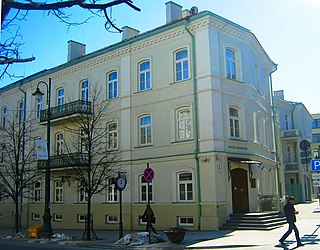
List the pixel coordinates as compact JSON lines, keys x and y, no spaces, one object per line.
{"x":195,"y":111}
{"x":23,"y":151}
{"x":275,"y":139}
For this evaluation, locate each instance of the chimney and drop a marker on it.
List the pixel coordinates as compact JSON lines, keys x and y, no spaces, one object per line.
{"x":129,"y":32}
{"x":75,"y":50}
{"x":173,"y":11}
{"x":279,"y":94}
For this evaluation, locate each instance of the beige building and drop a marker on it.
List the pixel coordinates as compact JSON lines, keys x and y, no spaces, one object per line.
{"x":191,"y":98}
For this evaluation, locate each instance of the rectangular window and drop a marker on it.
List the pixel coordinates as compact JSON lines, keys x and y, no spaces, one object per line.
{"x":144,"y":190}
{"x":58,"y":187}
{"x":181,"y":65}
{"x":57,"y":217}
{"x":81,"y":218}
{"x":82,"y":194}
{"x":183,"y":123}
{"x":185,"y":186}
{"x":112,"y":194}
{"x":21,"y":111}
{"x":144,"y":76}
{"x":112,"y":85}
{"x":315,"y":138}
{"x":35,"y":216}
{"x":59,"y":143}
{"x":39,"y":106}
{"x":84,"y":137}
{"x":234,"y":123}
{"x":185,"y":221}
{"x":111,"y":219}
{"x":37,"y":192}
{"x":85,"y":90}
{"x":112,"y":133}
{"x":145,"y":129}
{"x":230,"y":64}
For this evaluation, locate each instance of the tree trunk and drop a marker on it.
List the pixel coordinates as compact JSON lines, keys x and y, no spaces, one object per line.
{"x":17,"y":216}
{"x":88,"y":226}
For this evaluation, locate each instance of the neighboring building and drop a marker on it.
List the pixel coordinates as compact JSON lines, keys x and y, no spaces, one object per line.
{"x":315,"y":143}
{"x":193,"y":99}
{"x":295,"y":122}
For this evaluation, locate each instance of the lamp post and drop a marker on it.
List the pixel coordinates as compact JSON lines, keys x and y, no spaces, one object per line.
{"x":47,"y":229}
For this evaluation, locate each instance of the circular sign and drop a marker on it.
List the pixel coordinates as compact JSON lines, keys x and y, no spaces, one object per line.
{"x":121,"y":182}
{"x":148,"y":174}
{"x":304,"y":145}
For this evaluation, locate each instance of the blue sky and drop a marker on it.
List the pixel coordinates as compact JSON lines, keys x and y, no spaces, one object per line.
{"x":287,"y":29}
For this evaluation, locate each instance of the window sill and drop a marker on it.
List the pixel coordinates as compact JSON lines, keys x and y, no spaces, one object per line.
{"x":181,"y":141}
{"x":144,"y":146}
{"x":237,"y":139}
{"x":142,"y":91}
{"x":177,"y":82}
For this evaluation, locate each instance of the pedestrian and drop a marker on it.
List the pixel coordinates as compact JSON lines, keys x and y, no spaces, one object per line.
{"x":290,"y":214}
{"x":148,"y":216}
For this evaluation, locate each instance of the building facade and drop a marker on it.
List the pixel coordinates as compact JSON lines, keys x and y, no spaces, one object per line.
{"x":191,"y":98}
{"x":295,"y":122}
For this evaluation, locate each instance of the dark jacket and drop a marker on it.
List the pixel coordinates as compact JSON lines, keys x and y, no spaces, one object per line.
{"x":289,"y":212}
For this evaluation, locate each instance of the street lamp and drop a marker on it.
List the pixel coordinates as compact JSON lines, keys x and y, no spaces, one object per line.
{"x":47,"y":229}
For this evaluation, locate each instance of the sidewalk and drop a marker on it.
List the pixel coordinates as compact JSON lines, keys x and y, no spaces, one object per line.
{"x":307,"y":222}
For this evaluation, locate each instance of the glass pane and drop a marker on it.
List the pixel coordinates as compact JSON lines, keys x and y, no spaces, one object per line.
{"x":113,"y":76}
{"x":181,"y":54}
{"x":185,"y":176}
{"x":145,"y":120}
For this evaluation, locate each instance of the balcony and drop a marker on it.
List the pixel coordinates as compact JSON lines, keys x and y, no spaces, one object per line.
{"x":291,"y":133}
{"x":65,"y":160}
{"x":291,"y":167}
{"x":66,"y":110}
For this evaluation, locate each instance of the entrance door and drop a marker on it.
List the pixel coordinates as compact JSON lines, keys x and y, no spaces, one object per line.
{"x":240,"y":197}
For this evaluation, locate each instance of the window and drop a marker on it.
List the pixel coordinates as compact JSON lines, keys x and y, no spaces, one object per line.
{"x":145,"y":129}
{"x":234,"y":123}
{"x":316,"y":123}
{"x":183,"y":123}
{"x":57,"y":217}
{"x":185,"y":221}
{"x":35,"y":216}
{"x":111,"y":219}
{"x":112,"y":194}
{"x":144,"y":76}
{"x":286,"y":121}
{"x":315,"y":138}
{"x":81,"y":218}
{"x":112,"y":85}
{"x":4,"y":116}
{"x":144,"y":189}
{"x":231,"y":64}
{"x":39,"y":106}
{"x":288,"y":154}
{"x":85,"y":90}
{"x":37,"y":192}
{"x":60,"y":96}
{"x":59,"y":143}
{"x":112,"y":133}
{"x":58,"y":187}
{"x":185,"y":187}
{"x":20,"y":111}
{"x":181,"y":65}
{"x":82,"y":194}
{"x":84,"y":140}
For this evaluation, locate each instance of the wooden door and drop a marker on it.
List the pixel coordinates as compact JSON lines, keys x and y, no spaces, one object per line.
{"x":240,"y":196}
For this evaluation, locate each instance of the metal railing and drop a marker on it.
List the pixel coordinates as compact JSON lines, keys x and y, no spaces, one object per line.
{"x":65,"y":160}
{"x":291,"y":133}
{"x":76,"y":107}
{"x":291,"y":166}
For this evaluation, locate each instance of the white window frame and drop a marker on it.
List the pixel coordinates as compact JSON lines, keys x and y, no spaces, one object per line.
{"x":60,"y":96}
{"x":81,"y":218}
{"x":39,"y":106}
{"x":231,"y":64}
{"x":234,"y":123}
{"x":182,"y":124}
{"x":21,"y":111}
{"x":146,"y":74}
{"x":84,"y":141}
{"x":143,"y":190}
{"x":57,"y":217}
{"x":58,"y":192}
{"x":112,"y":136}
{"x":82,"y":195}
{"x":84,"y":90}
{"x":111,"y":192}
{"x":184,"y":221}
{"x":186,"y":184}
{"x":59,"y":143}
{"x":37,"y":192}
{"x":145,"y":131}
{"x":181,"y":62}
{"x":35,"y":216}
{"x":111,"y":219}
{"x":112,"y":84}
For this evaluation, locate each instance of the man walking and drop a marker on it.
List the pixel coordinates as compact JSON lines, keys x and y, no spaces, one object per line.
{"x":290,"y":214}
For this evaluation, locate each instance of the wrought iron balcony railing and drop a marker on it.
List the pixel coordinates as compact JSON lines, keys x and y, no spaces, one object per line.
{"x":291,"y":166}
{"x":72,"y":108}
{"x":292,"y":133}
{"x":65,"y":160}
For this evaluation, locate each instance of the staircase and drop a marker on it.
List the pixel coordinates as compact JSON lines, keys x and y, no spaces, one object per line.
{"x":254,"y":221}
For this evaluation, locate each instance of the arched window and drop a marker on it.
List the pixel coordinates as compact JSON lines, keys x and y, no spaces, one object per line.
{"x":234,"y":122}
{"x":145,"y":129}
{"x":145,"y":75}
{"x":112,"y":87}
{"x":144,"y":191}
{"x":58,"y":195}
{"x":37,"y":191}
{"x":112,"y":133}
{"x":59,"y":143}
{"x":85,"y":90}
{"x":181,"y":65}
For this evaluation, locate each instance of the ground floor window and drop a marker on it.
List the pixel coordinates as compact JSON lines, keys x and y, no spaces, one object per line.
{"x":185,"y":221}
{"x":111,"y":219}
